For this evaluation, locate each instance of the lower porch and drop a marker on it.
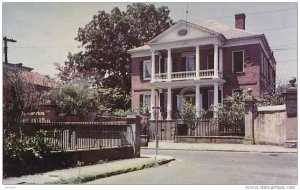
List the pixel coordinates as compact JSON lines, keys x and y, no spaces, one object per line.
{"x":167,"y":100}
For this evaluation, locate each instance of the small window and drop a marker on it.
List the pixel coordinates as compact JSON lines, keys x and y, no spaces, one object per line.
{"x":147,"y":69}
{"x":147,"y":101}
{"x":190,"y":63}
{"x":239,"y":91}
{"x":210,"y":61}
{"x":238,"y":61}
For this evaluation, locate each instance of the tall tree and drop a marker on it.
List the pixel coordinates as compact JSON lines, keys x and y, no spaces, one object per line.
{"x":106,"y":39}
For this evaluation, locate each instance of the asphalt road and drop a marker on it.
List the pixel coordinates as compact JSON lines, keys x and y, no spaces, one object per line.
{"x":217,"y":168}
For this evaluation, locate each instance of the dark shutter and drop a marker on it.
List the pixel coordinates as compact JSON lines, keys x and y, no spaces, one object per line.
{"x":161,"y":101}
{"x":141,"y":70}
{"x":219,"y":96}
{"x":173,"y":64}
{"x":183,"y":63}
{"x":238,"y":61}
{"x":141,"y":100}
{"x":162,"y":65}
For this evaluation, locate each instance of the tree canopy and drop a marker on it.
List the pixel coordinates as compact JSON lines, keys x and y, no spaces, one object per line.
{"x":106,"y":39}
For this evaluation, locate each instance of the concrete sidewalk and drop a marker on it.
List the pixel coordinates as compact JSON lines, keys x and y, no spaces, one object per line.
{"x":220,"y":147}
{"x":83,"y":174}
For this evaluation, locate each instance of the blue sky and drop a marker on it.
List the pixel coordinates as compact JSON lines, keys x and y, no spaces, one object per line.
{"x":45,"y":32}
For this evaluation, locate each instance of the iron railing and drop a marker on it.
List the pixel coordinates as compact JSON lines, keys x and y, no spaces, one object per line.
{"x":81,"y":135}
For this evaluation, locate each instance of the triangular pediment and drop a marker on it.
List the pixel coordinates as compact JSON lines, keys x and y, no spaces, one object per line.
{"x":183,"y":31}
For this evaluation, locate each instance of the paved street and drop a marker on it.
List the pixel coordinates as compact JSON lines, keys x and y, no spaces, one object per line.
{"x":211,"y":167}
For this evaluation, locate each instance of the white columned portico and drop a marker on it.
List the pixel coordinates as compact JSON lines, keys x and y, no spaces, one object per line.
{"x":221,"y":61}
{"x":197,"y":61}
{"x":216,"y":55}
{"x":169,"y":104}
{"x":169,"y":64}
{"x":152,"y":65}
{"x":198,"y":109}
{"x":216,"y":97}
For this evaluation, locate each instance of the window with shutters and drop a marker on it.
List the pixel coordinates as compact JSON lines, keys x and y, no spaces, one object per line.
{"x":147,"y":69}
{"x":210,"y":61}
{"x":238,"y":61}
{"x":163,"y":65}
{"x":147,"y":101}
{"x":190,"y":63}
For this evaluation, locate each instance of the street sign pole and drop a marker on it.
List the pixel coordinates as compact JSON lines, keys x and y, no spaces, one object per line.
{"x":156,"y":129}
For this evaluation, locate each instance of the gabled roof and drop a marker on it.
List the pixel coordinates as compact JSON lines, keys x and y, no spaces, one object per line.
{"x":227,"y":31}
{"x":37,"y":79}
{"x":209,"y":28}
{"x":194,"y":31}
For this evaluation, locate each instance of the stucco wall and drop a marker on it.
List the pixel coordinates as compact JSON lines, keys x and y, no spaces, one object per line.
{"x":269,"y":127}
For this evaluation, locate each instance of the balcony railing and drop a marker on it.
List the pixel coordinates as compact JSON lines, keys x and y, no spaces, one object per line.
{"x":203,"y":74}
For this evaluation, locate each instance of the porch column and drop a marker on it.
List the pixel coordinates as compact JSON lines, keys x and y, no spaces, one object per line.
{"x":169,"y":104}
{"x":169,"y":64}
{"x":152,"y":65}
{"x":152,"y":102}
{"x":221,"y":61}
{"x":216,"y":93}
{"x":197,"y":61}
{"x":198,"y":99}
{"x":216,"y":55}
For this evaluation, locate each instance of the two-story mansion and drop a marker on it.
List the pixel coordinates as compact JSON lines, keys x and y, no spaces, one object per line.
{"x":200,"y":62}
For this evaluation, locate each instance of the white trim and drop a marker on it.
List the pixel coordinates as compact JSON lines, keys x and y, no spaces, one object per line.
{"x":186,"y":54}
{"x":272,"y":108}
{"x":232,"y":61}
{"x":141,"y":54}
{"x":144,"y":62}
{"x":177,"y":25}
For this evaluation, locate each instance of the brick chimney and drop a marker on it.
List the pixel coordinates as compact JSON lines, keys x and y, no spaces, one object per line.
{"x":240,"y":21}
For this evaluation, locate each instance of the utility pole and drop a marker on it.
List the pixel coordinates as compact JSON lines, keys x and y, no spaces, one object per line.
{"x":5,"y":46}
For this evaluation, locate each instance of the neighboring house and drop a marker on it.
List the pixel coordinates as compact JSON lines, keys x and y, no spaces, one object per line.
{"x":203,"y":63}
{"x":40,"y":82}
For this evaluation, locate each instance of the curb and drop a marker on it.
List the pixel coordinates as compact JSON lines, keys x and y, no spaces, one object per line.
{"x":86,"y":178}
{"x":221,"y":150}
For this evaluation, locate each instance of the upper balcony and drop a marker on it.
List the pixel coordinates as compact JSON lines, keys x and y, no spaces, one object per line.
{"x":185,"y":75}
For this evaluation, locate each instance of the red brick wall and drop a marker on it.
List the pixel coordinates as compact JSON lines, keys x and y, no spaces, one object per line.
{"x":250,"y":78}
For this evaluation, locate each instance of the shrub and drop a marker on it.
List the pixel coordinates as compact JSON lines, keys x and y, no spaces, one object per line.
{"x":24,"y":155}
{"x":72,"y":100}
{"x":231,"y":114}
{"x":189,"y":116}
{"x":124,"y":113}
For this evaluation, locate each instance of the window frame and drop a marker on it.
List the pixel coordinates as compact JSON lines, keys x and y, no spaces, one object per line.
{"x":144,"y":69}
{"x":207,"y":60}
{"x":144,"y":101}
{"x":233,"y":63}
{"x":209,"y":105}
{"x":186,"y":62}
{"x":236,"y":89}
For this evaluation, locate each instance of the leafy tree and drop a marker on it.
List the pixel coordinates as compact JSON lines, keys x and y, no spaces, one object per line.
{"x":106,"y":39}
{"x":19,"y":98}
{"x":190,"y":117}
{"x":231,"y":114}
{"x":72,"y":100}
{"x":273,"y":96}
